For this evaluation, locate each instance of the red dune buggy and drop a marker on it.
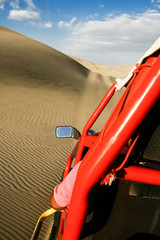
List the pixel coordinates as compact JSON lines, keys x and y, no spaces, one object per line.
{"x":113,"y":211}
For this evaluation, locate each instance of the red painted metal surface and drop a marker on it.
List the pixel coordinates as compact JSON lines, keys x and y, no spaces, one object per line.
{"x":134,"y":85}
{"x":87,"y":140}
{"x":140,"y":174}
{"x":141,"y":94}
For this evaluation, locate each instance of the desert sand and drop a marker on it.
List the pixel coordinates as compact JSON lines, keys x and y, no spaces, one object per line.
{"x":41,"y":88}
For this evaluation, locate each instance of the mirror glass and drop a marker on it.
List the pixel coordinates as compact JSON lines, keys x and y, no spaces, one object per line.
{"x":63,"y":131}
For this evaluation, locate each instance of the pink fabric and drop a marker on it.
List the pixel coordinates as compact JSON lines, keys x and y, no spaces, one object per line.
{"x":63,"y":192}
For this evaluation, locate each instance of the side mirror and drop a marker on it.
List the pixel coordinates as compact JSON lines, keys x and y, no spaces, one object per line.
{"x":67,"y":132}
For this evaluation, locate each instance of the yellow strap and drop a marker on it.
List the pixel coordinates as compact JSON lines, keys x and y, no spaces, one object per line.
{"x":47,"y":213}
{"x":41,"y":218}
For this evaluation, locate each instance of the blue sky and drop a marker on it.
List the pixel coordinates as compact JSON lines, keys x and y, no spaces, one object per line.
{"x":103,"y":31}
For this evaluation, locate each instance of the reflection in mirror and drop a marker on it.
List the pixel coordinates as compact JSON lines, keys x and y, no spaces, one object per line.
{"x":63,"y":131}
{"x":67,"y":132}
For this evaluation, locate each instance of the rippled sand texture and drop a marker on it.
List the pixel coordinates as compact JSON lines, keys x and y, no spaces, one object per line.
{"x":40,"y":88}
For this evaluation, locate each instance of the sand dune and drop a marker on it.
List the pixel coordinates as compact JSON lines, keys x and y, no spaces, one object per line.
{"x":40,"y":88}
{"x":119,"y":71}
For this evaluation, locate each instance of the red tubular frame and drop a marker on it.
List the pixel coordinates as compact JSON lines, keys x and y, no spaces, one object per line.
{"x":87,"y":140}
{"x":105,"y":149}
{"x":140,"y":174}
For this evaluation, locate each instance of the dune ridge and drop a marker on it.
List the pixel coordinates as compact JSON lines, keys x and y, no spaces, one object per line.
{"x":40,"y":88}
{"x":119,"y":70}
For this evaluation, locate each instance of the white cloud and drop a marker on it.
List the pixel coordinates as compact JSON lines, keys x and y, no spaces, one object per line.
{"x":30,"y":4}
{"x":24,"y":15}
{"x":156,"y":3}
{"x":46,"y":25}
{"x":14,"y":4}
{"x":42,"y":25}
{"x":2,"y":4}
{"x":29,"y":15}
{"x":69,"y":24}
{"x":101,"y":6}
{"x":121,"y":36}
{"x":93,"y":15}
